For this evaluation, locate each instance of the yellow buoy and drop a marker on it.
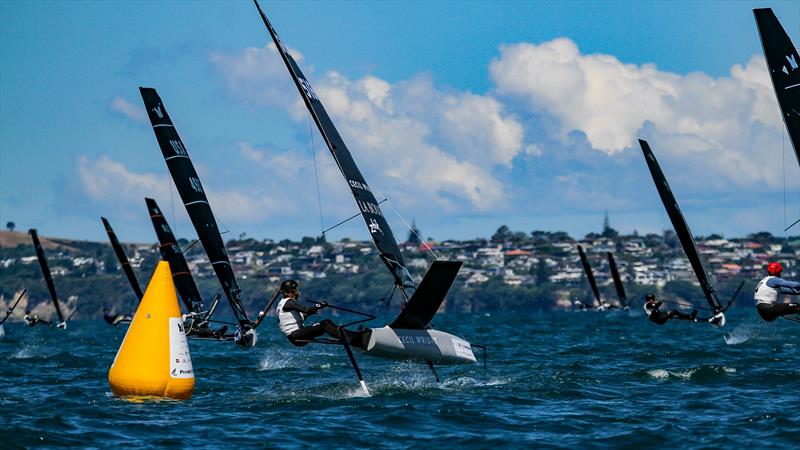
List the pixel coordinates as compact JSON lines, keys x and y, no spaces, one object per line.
{"x":154,"y":359}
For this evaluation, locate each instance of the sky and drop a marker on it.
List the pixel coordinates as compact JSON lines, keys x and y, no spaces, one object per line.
{"x":464,"y":115}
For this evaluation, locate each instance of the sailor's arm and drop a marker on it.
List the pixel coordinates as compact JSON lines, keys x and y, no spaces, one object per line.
{"x":784,"y":286}
{"x":294,"y":305}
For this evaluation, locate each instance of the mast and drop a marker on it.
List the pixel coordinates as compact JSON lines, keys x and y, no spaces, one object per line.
{"x":194,"y":199}
{"x":623,"y":299}
{"x":783,"y":63}
{"x":48,"y":278}
{"x":171,"y":252}
{"x":680,"y":226}
{"x":589,"y":275}
{"x":123,"y":259}
{"x":378,"y":227}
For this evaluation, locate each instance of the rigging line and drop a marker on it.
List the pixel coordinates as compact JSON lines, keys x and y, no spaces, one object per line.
{"x":316,"y":175}
{"x":427,"y":245}
{"x":348,"y":219}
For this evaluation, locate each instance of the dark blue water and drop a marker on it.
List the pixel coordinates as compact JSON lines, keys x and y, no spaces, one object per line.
{"x":566,"y":380}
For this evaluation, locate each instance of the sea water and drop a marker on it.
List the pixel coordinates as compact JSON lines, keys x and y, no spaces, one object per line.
{"x":569,"y":380}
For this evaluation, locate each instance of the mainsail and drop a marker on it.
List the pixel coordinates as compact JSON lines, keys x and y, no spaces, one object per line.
{"x":48,"y":278}
{"x":171,"y":252}
{"x":783,"y":63}
{"x":623,"y":299}
{"x":194,"y":199}
{"x":681,"y":227}
{"x":123,"y":259}
{"x":590,"y":275}
{"x":379,"y":229}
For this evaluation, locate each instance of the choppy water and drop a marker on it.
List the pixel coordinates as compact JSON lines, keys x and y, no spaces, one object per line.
{"x":570,"y":380}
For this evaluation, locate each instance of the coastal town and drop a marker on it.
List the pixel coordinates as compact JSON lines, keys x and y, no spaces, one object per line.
{"x":516,"y":262}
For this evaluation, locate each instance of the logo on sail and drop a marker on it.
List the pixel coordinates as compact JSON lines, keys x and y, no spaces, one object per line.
{"x":374,"y":227}
{"x":158,"y":111}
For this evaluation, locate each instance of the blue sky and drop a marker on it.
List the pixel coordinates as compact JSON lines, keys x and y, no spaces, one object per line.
{"x":465,"y":116}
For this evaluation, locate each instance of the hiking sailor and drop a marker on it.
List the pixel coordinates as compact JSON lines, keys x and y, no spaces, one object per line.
{"x":33,"y":319}
{"x":292,"y":315}
{"x":651,"y":308}
{"x":769,"y":289}
{"x":114,"y":319}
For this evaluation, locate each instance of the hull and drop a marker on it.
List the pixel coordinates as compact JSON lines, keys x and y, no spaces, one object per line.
{"x":419,"y":345}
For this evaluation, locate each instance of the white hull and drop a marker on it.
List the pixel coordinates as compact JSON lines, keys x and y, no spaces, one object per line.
{"x":420,"y":345}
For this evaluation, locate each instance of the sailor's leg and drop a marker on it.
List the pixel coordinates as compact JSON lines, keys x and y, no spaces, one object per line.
{"x":659,"y":318}
{"x":785,"y":309}
{"x":330,"y":327}
{"x":433,"y":371}
{"x":302,"y":336}
{"x":683,"y":316}
{"x":767,"y":311}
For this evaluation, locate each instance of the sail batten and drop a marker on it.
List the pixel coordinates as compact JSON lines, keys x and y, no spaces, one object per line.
{"x":48,"y":277}
{"x":123,"y":259}
{"x":192,"y":194}
{"x":681,"y":227}
{"x":171,"y":252}
{"x":379,"y":229}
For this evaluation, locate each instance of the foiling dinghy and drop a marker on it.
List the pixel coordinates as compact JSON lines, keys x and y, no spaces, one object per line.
{"x":409,"y":336}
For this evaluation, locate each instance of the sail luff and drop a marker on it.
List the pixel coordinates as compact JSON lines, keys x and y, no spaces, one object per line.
{"x":783,"y":64}
{"x":680,"y":226}
{"x":590,"y":275}
{"x":171,"y":252}
{"x":612,"y":264}
{"x":123,"y":259}
{"x":194,"y":199}
{"x":379,"y":229}
{"x":48,"y":277}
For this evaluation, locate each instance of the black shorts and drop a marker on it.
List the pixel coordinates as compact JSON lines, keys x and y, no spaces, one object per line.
{"x":771,"y":311}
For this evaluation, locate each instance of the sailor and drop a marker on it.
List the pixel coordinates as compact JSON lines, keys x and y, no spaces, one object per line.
{"x":292,"y":316}
{"x":769,"y":289}
{"x":33,"y":319}
{"x":112,"y":319}
{"x":651,"y":308}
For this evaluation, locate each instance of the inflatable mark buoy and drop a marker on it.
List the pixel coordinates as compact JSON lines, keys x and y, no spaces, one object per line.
{"x":154,"y":360}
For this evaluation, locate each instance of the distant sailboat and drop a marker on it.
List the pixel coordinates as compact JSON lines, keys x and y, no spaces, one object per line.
{"x":10,"y":311}
{"x":48,"y":278}
{"x":410,"y":335}
{"x":116,"y":319}
{"x":197,"y":320}
{"x":587,"y":269}
{"x":623,"y":299}
{"x":194,"y":199}
{"x":685,"y":236}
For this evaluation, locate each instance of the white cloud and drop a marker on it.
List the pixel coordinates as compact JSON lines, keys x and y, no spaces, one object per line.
{"x":427,"y":147}
{"x":724,"y":128}
{"x":127,"y":109}
{"x":112,"y":185}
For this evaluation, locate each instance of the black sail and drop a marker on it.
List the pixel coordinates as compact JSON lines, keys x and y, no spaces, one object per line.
{"x":590,"y":275}
{"x":172,"y":254}
{"x":378,"y":227}
{"x":194,"y":199}
{"x":680,"y":226}
{"x":123,"y":259}
{"x":783,"y":63}
{"x":623,"y":299}
{"x":48,"y":278}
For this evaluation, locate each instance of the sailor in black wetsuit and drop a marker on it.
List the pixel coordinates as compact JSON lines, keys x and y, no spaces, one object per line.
{"x":292,"y":315}
{"x":656,"y":316}
{"x":114,"y":319}
{"x":33,"y":319}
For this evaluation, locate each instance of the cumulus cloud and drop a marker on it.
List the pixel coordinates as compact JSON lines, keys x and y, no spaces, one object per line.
{"x":426,"y":146}
{"x":728,"y":126}
{"x":112,"y":185}
{"x":128,"y":109}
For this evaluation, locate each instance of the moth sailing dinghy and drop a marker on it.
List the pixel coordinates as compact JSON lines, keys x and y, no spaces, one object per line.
{"x":194,"y":199}
{"x":197,"y":321}
{"x":409,"y":336}
{"x":687,"y":240}
{"x":116,"y":319}
{"x":623,"y":299}
{"x":10,"y":311}
{"x":783,"y":63}
{"x":587,"y":269}
{"x":48,"y":278}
